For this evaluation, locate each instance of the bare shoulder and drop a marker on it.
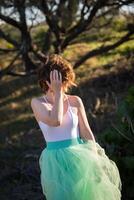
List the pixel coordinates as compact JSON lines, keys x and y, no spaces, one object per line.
{"x":39,"y":99}
{"x":37,"y":102}
{"x":39,"y":108}
{"x":75,"y":100}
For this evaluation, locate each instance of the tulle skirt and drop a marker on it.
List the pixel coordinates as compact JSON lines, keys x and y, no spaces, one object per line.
{"x":78,"y":169}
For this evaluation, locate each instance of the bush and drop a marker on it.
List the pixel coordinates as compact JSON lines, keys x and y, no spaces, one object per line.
{"x":119,"y":143}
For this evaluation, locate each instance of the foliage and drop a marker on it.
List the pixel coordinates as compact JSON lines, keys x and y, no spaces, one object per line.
{"x":120,"y":139}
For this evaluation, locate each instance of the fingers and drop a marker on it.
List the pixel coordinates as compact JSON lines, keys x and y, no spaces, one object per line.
{"x":55,"y":75}
{"x":56,"y":80}
{"x":60,"y":77}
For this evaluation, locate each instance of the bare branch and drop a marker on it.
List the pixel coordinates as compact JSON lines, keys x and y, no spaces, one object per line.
{"x":8,"y":38}
{"x":10,"y":66}
{"x":52,"y":22}
{"x":84,"y":10}
{"x":22,"y":74}
{"x":33,"y":19}
{"x":120,"y":3}
{"x":81,"y":26}
{"x":3,"y":51}
{"x":103,"y":49}
{"x":10,"y":21}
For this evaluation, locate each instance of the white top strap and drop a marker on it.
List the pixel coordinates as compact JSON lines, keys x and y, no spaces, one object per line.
{"x":67,"y":100}
{"x":65,"y":96}
{"x":48,"y":104}
{"x":69,"y":106}
{"x":45,"y":99}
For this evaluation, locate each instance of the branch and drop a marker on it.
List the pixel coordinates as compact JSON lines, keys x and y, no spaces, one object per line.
{"x":81,"y":26}
{"x":3,"y":51}
{"x":8,"y":38}
{"x":33,"y":19}
{"x":52,"y":22}
{"x":49,"y":17}
{"x":10,"y":66}
{"x":83,"y":13}
{"x":104,"y":49}
{"x":120,"y":3}
{"x":121,"y":133}
{"x":10,"y":21}
{"x":22,"y":74}
{"x":40,"y":56}
{"x":20,"y":5}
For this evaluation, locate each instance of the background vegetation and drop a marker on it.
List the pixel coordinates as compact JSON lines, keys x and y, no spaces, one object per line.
{"x":102,"y":56}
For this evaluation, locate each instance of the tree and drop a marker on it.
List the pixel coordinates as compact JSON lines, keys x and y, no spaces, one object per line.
{"x":66,"y":20}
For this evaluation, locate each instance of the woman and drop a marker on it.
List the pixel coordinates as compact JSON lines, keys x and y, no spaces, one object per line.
{"x":73,"y":165}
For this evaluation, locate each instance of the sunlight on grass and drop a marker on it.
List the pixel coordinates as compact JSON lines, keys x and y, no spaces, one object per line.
{"x":22,"y":117}
{"x":75,"y":51}
{"x":5,"y":62}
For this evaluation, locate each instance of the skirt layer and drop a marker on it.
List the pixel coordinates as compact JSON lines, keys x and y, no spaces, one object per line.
{"x":78,"y":169}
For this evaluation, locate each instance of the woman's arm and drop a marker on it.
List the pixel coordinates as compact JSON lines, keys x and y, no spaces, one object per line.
{"x":54,"y":116}
{"x":51,"y":117}
{"x":85,"y":130}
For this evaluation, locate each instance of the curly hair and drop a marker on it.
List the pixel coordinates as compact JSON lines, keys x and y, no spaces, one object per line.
{"x":55,"y":61}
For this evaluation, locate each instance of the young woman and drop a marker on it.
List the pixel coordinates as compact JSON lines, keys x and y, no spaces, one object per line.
{"x":73,"y":165}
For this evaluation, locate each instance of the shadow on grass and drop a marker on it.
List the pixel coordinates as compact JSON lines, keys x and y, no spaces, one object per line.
{"x":9,"y":86}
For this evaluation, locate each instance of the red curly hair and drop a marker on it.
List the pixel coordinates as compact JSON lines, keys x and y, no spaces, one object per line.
{"x":55,"y":61}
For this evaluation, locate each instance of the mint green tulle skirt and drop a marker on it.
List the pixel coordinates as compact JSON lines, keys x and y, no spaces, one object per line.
{"x":78,"y":169}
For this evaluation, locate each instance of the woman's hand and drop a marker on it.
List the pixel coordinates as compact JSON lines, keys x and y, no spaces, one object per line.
{"x":56,"y":81}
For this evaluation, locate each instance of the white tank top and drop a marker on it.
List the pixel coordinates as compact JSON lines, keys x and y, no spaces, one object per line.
{"x":67,"y":130}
